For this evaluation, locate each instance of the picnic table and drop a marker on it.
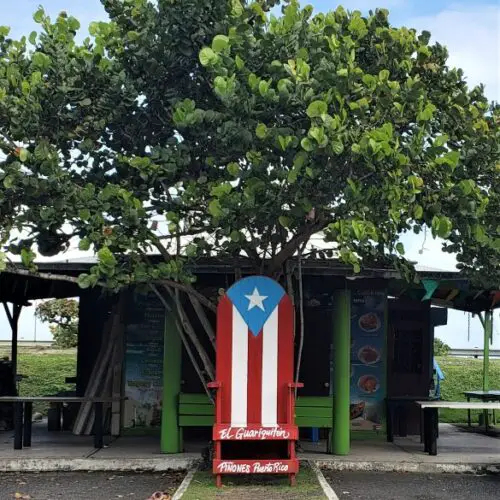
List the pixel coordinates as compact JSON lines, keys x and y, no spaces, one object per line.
{"x":23,"y":411}
{"x":483,"y":396}
{"x":431,"y":417}
{"x":399,"y":405}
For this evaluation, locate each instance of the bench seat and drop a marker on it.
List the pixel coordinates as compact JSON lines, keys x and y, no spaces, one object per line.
{"x":196,"y":410}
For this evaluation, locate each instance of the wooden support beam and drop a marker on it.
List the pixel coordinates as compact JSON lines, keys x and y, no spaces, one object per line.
{"x":13,"y":317}
{"x":452,"y":295}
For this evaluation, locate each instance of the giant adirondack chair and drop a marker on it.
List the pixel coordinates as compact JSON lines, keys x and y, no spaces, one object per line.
{"x":254,"y":430}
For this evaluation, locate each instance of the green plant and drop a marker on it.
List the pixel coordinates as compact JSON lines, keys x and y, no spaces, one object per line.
{"x":45,"y":374}
{"x":463,"y":374}
{"x":440,"y":348}
{"x":62,"y":316}
{"x":248,"y":132}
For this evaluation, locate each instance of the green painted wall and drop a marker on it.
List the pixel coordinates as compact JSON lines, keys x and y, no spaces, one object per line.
{"x":340,"y":436}
{"x":172,"y":353}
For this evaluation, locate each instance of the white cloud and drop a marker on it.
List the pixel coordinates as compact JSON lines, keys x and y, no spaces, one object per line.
{"x":366,"y":5}
{"x":471,"y":31}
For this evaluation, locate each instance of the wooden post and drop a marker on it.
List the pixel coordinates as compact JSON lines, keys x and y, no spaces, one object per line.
{"x":172,"y":354}
{"x":13,"y":318}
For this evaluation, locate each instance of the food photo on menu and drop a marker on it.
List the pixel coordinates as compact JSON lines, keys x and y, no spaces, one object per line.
{"x":367,"y":366}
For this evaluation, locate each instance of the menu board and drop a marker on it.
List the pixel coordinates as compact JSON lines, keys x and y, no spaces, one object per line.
{"x":368,"y":310}
{"x":144,"y":336}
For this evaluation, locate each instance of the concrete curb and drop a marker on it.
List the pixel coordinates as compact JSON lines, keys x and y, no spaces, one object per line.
{"x":327,"y":489}
{"x":95,"y":465}
{"x":185,"y":484}
{"x":166,"y":463}
{"x":417,"y":467}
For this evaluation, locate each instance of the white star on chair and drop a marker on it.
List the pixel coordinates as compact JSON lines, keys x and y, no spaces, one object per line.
{"x":256,"y":300}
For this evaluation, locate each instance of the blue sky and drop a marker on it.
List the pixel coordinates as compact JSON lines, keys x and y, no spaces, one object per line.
{"x":469,"y":28}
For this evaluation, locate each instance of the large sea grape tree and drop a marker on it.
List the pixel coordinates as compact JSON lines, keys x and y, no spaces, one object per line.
{"x":248,"y":127}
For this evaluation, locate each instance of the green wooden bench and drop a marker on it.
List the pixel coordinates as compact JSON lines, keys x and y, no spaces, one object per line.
{"x":196,"y":410}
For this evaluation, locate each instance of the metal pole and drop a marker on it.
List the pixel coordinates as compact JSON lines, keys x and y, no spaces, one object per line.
{"x":340,"y":443}
{"x":488,"y":323}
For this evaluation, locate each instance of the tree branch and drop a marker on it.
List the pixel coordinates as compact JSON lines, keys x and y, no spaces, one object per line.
{"x":294,"y":243}
{"x":71,"y":279}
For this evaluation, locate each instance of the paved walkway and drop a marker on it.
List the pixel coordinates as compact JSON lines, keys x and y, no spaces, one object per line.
{"x":458,"y":451}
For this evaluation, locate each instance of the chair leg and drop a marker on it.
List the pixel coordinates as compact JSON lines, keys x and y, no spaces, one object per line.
{"x":218,"y":481}
{"x":293,"y":480}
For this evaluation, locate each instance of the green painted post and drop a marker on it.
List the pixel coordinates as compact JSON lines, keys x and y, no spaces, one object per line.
{"x":341,"y":433}
{"x":172,"y":350}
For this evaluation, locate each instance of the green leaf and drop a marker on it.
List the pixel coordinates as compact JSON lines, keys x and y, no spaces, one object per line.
{"x":84,"y":214}
{"x":39,"y":15}
{"x":84,"y":280}
{"x":440,"y":140}
{"x":207,"y":56}
{"x":383,"y":75}
{"x":261,"y":131}
{"x":342,"y":72}
{"x":27,"y":257}
{"x":284,"y":221}
{"x":8,"y":181}
{"x":307,"y":144}
{"x":32,"y":37}
{"x":441,"y":226}
{"x":400,"y":248}
{"x":240,"y":63}
{"x":357,"y":26}
{"x":219,"y":43}
{"x":263,"y":88}
{"x":106,"y":257}
{"x":84,"y":244}
{"x":451,"y":159}
{"x":215,"y":209}
{"x":191,"y":250}
{"x":337,"y":147}
{"x":285,"y":141}
{"x":233,"y":168}
{"x":427,"y":113}
{"x":221,"y":190}
{"x":236,"y":8}
{"x":23,"y":154}
{"x":418,"y":212}
{"x":40,"y":60}
{"x":235,"y":236}
{"x":3,"y":261}
{"x":316,"y":109}
{"x":318,"y":133}
{"x":4,"y":31}
{"x":85,"y":102}
{"x":36,"y":78}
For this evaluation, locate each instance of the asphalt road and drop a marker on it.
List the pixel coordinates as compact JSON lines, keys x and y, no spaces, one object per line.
{"x":86,"y":485}
{"x":395,"y":486}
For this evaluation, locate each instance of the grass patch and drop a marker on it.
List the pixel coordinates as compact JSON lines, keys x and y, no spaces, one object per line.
{"x":46,"y":373}
{"x":464,"y":374}
{"x":242,"y":487}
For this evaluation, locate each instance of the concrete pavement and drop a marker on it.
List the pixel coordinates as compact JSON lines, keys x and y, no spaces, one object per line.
{"x":458,"y":452}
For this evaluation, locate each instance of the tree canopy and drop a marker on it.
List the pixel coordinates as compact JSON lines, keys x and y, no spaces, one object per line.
{"x":247,"y":128}
{"x":62,"y":317}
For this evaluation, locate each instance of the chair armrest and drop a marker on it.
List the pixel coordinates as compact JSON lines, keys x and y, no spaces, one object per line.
{"x":295,"y":385}
{"x":214,"y":385}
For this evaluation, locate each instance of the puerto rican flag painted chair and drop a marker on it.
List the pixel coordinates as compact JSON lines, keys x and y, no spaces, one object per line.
{"x":254,"y":380}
